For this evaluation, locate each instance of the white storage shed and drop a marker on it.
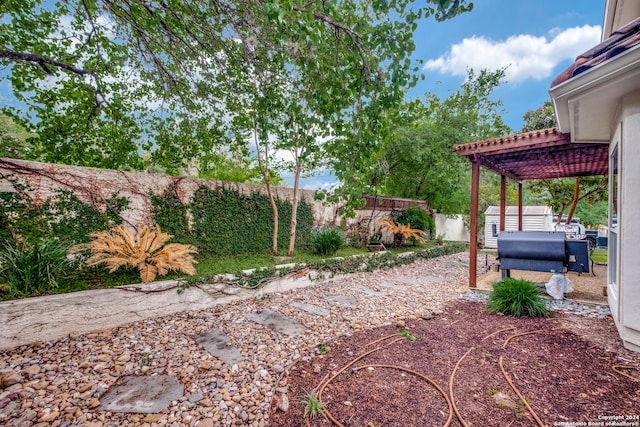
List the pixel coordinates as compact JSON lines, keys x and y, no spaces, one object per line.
{"x":534,"y":218}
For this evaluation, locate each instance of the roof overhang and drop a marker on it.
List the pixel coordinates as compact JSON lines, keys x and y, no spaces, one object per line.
{"x":542,"y":154}
{"x":586,"y":104}
{"x":618,"y":13}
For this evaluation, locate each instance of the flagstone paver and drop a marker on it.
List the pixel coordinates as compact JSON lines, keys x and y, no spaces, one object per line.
{"x":373,"y":292}
{"x":311,"y":308}
{"x":391,"y":285}
{"x":218,"y":344}
{"x":277,"y":322}
{"x":146,"y":394}
{"x":345,"y":300}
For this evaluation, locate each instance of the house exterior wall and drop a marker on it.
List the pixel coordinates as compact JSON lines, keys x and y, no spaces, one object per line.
{"x":626,"y":277}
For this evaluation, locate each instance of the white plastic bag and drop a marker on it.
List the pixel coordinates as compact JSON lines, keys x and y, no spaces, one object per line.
{"x":558,"y":285}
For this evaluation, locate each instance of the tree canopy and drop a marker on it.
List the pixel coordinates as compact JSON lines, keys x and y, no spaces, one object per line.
{"x":417,"y":160}
{"x":103,"y":81}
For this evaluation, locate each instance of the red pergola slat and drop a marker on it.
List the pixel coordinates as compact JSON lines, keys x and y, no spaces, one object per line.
{"x":542,"y":154}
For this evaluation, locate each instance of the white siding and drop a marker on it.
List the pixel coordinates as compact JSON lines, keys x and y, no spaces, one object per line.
{"x":534,"y":218}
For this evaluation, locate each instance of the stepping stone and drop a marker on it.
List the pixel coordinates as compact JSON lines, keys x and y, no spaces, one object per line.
{"x":419,"y":280}
{"x":277,"y":322}
{"x":310,"y":308}
{"x":391,"y":285}
{"x":148,"y":395}
{"x":372,"y":292}
{"x":345,"y":300}
{"x":217,"y":343}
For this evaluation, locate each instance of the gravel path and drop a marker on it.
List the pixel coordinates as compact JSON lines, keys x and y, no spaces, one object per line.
{"x":60,"y":383}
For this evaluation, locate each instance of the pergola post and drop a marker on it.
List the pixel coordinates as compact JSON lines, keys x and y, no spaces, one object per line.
{"x":520,"y":206}
{"x":473,"y":234}
{"x":503,"y":201}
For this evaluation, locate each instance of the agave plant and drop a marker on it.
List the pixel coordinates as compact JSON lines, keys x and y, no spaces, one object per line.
{"x":401,"y":231}
{"x":145,"y":250}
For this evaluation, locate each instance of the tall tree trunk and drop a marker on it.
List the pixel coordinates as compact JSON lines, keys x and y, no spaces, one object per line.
{"x":294,"y":209}
{"x":263,"y":165}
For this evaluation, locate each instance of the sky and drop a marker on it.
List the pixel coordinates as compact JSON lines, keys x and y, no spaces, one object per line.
{"x":535,"y":39}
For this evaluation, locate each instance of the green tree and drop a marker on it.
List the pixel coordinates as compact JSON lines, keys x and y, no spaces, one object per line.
{"x":418,"y":161}
{"x":543,"y":117}
{"x":102,"y":80}
{"x":14,"y":139}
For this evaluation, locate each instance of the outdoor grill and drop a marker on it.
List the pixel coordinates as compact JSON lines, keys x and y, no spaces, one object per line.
{"x":547,"y":251}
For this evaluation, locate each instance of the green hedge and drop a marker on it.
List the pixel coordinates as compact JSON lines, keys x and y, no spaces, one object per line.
{"x":62,"y":217}
{"x":227,"y":222}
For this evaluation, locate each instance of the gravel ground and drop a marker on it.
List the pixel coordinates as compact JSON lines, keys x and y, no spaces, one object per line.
{"x":60,"y":383}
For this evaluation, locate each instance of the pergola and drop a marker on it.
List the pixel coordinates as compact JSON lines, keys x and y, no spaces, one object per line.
{"x":539,"y":154}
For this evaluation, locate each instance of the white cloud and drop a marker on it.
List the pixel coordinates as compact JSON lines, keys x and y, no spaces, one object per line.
{"x":526,"y":56}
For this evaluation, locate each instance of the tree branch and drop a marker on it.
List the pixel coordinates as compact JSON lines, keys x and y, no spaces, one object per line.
{"x":42,"y":62}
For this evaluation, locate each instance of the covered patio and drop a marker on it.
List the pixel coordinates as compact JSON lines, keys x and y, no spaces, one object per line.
{"x":542,"y":154}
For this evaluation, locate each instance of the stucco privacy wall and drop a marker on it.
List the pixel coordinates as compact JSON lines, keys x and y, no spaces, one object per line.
{"x":95,"y":186}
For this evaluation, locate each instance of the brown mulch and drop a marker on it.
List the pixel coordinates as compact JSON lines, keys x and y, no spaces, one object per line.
{"x":564,"y":370}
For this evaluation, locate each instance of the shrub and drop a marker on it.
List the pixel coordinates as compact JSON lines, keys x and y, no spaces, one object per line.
{"x":517,"y":298}
{"x":146,"y":251}
{"x":419,"y":219}
{"x":35,"y":268}
{"x":401,"y":232}
{"x":327,"y":241}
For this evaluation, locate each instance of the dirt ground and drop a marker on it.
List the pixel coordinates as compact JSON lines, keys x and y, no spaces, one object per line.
{"x":569,"y":371}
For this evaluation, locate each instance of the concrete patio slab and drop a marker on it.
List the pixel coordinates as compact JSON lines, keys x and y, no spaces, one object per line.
{"x":277,"y":322}
{"x":218,"y":344}
{"x":310,"y":308}
{"x":149,"y":395}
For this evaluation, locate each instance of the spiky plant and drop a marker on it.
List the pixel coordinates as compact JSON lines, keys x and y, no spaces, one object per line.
{"x":313,"y":405}
{"x":31,"y":269}
{"x":145,"y":250}
{"x":327,"y":241}
{"x":401,"y":231}
{"x":517,"y":298}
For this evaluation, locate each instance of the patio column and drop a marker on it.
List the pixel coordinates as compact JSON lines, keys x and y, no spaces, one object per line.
{"x":520,"y":206}
{"x":503,"y":201}
{"x":473,"y":234}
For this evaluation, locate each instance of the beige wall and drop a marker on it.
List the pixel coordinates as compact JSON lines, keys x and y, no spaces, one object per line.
{"x":95,"y":186}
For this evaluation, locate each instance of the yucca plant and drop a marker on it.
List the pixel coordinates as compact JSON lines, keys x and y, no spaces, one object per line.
{"x":145,"y":250}
{"x":401,"y":232}
{"x":327,"y":241}
{"x":31,"y":269}
{"x":518,"y":298}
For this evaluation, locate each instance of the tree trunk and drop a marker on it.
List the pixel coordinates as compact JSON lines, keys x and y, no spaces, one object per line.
{"x":294,"y":210}
{"x":576,"y":197}
{"x":274,"y":209}
{"x":263,"y":165}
